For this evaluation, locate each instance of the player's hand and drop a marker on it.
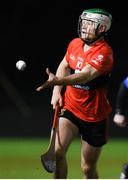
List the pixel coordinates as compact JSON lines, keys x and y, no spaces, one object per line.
{"x":120,"y":120}
{"x":57,"y":99}
{"x":50,"y":82}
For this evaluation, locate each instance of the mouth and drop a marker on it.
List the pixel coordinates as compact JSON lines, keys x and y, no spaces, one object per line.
{"x":86,"y":33}
{"x":83,"y":31}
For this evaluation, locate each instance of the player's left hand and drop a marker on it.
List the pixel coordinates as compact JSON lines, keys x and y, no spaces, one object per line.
{"x":50,"y":82}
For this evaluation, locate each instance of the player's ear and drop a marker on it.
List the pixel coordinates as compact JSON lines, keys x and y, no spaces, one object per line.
{"x":102,"y":28}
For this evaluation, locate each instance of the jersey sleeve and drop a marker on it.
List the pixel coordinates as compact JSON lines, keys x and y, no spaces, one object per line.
{"x":102,"y":61}
{"x":122,"y":97}
{"x":125,"y":82}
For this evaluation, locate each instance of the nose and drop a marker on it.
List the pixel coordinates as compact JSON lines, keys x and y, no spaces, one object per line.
{"x":84,"y":26}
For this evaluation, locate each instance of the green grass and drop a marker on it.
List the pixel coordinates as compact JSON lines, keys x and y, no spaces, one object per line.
{"x":20,"y":159}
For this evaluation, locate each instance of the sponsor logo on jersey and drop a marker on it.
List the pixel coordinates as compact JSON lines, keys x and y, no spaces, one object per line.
{"x":72,"y":57}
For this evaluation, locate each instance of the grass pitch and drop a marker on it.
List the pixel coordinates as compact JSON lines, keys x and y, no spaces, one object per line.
{"x":20,"y":159}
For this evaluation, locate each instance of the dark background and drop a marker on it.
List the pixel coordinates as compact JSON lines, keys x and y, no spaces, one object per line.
{"x":38,"y":32}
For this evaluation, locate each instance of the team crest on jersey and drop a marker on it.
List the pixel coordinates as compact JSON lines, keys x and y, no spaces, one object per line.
{"x":80,"y":62}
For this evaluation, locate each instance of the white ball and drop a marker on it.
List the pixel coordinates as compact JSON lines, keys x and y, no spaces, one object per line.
{"x":21,"y":65}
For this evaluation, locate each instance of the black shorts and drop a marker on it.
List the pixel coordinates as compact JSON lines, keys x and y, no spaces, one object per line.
{"x":94,"y":133}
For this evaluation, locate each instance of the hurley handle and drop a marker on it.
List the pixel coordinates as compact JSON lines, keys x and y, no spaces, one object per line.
{"x":55,"y":119}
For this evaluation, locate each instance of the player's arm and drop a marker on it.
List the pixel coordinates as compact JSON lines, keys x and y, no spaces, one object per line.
{"x":62,"y":71}
{"x":119,"y":117}
{"x":87,"y":74}
{"x":121,"y":99}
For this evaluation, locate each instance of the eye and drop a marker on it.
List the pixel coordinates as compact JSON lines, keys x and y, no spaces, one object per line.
{"x":90,"y":23}
{"x":86,"y":23}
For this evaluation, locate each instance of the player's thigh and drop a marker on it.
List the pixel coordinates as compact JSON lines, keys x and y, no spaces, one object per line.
{"x":66,"y":132}
{"x":89,"y":154}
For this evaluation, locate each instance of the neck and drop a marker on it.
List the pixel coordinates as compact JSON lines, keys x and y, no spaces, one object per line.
{"x":88,"y":46}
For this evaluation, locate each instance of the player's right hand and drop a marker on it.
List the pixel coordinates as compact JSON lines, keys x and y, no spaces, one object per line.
{"x":49,"y":83}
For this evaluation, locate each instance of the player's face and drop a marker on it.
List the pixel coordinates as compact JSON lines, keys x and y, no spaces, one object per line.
{"x":88,"y":29}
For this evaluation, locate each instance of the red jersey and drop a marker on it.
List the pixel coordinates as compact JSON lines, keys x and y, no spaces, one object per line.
{"x":88,"y":104}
